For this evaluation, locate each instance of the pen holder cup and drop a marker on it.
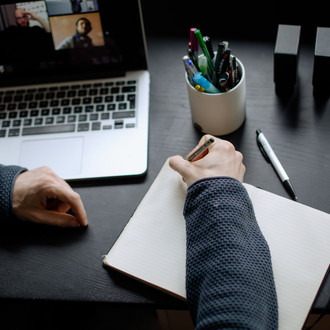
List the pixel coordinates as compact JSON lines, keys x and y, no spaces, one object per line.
{"x":218,"y":114}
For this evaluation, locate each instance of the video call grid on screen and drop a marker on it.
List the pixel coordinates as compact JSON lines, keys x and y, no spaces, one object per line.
{"x":52,"y":41}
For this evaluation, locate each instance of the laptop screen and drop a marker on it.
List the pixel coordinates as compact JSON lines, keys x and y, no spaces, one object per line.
{"x":76,"y":39}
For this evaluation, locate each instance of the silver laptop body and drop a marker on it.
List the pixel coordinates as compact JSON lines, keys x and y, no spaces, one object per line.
{"x":81,"y":111}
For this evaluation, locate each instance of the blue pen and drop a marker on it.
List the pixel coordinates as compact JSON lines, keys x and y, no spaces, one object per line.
{"x":203,"y":82}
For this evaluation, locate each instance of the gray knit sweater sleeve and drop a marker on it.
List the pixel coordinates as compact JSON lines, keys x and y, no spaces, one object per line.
{"x":229,"y":281}
{"x":8,"y":175}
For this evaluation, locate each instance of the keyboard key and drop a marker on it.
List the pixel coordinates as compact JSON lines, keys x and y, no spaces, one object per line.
{"x":104,"y":90}
{"x":5,"y":123}
{"x":2,"y":133}
{"x":128,"y":89}
{"x":33,"y":105}
{"x":67,"y":110}
{"x":108,"y":99}
{"x":119,"y":124}
{"x":89,"y":108}
{"x":17,"y":122}
{"x":83,"y":127}
{"x":82,"y":118}
{"x":94,"y":116}
{"x":43,"y":104}
{"x":23,"y":114}
{"x":22,"y":106}
{"x":87,"y":100}
{"x":98,"y":99}
{"x":72,"y":118}
{"x":54,"y":103}
{"x":65,"y":102}
{"x":14,"y":132}
{"x":123,"y":114}
{"x":28,"y":97}
{"x":38,"y":121}
{"x":93,"y":92}
{"x":72,"y":93}
{"x":45,"y":112}
{"x":96,"y":126}
{"x":12,"y":115}
{"x":82,"y":92}
{"x":100,"y":107}
{"x":49,"y":129}
{"x":115,"y":90}
{"x":120,"y":98}
{"x":34,"y":113}
{"x":27,"y":122}
{"x":60,"y":119}
{"x":131,"y":100}
{"x":105,"y":116}
{"x":75,"y":101}
{"x":50,"y":120}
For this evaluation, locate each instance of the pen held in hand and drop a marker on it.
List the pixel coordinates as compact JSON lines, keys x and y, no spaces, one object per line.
{"x":202,"y":148}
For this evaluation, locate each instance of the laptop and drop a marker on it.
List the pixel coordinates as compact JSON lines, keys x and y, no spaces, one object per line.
{"x":74,"y":87}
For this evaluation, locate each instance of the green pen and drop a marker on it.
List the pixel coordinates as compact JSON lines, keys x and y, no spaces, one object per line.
{"x":205,"y":51}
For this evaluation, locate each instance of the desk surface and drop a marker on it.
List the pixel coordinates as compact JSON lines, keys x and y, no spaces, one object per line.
{"x":43,"y":263}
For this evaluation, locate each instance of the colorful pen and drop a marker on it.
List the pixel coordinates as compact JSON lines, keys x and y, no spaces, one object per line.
{"x":190,"y":69}
{"x":193,"y":42}
{"x":203,"y":82}
{"x":205,"y":51}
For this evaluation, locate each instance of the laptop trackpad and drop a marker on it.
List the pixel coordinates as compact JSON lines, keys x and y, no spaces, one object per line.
{"x":62,"y":155}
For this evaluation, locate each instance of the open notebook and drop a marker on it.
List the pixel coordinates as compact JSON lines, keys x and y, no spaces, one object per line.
{"x":152,"y":246}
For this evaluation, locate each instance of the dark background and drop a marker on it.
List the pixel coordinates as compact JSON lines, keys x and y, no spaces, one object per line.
{"x":256,"y":20}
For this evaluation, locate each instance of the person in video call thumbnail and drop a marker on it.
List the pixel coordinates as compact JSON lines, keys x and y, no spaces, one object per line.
{"x":80,"y":39}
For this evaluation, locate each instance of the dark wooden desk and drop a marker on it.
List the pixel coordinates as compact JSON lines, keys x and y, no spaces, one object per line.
{"x":49,"y":264}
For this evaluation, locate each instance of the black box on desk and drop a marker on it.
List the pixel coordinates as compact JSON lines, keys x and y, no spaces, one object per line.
{"x":321,"y":72}
{"x":286,"y":58}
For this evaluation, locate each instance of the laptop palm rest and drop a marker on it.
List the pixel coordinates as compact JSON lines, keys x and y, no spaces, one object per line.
{"x":62,"y":155}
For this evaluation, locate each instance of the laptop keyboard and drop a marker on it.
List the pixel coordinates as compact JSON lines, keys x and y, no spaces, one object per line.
{"x":68,"y":108}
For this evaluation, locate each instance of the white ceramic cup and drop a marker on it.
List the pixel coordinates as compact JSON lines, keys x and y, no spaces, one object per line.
{"x":218,"y":114}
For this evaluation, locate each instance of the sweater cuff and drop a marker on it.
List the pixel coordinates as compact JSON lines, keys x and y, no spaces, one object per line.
{"x":8,"y":175}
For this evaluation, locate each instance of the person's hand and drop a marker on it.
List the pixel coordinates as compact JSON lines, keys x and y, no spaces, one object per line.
{"x":40,"y":196}
{"x":220,"y":159}
{"x":32,"y":16}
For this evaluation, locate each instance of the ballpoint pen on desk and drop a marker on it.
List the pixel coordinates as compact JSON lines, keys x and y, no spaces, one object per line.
{"x":203,"y":147}
{"x":270,"y":156}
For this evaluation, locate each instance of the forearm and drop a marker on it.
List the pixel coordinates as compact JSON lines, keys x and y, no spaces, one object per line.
{"x":229,"y":274}
{"x":8,"y":175}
